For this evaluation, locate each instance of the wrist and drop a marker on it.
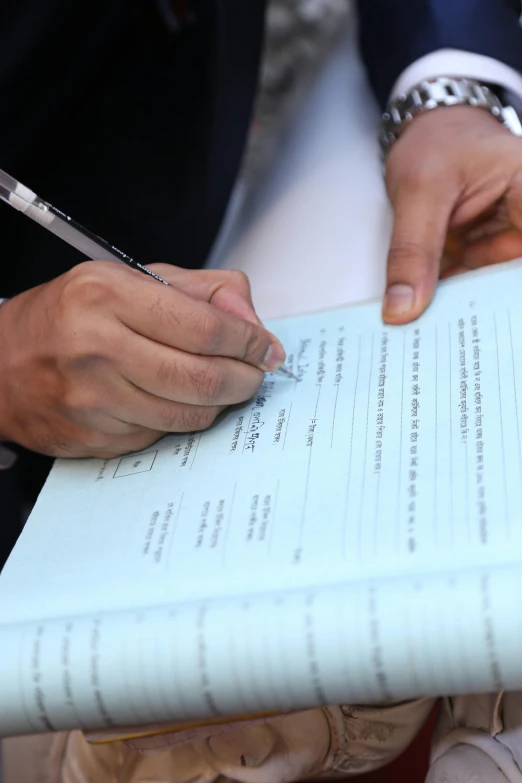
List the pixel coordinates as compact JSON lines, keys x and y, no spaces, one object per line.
{"x":5,"y":415}
{"x":441,"y":121}
{"x":448,"y":93}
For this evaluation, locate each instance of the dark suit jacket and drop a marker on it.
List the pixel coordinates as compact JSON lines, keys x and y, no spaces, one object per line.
{"x":136,"y":129}
{"x":395,"y":33}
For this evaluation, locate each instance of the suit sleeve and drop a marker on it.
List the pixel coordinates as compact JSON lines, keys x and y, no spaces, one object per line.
{"x":394,"y":34}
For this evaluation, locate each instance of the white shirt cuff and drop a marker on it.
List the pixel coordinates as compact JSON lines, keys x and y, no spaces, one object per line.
{"x":454,"y":62}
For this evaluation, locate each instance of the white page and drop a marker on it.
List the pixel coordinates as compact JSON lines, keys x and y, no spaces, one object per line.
{"x":355,"y":643}
{"x":302,"y":487}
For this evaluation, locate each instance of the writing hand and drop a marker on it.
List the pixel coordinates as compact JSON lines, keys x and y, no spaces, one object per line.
{"x":103,"y":360}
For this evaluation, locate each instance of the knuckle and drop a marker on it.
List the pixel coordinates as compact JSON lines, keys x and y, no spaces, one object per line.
{"x":188,"y":418}
{"x":70,"y":397}
{"x":406,"y":256}
{"x":204,"y":381}
{"x":207,"y":330}
{"x":87,"y":285}
{"x":95,"y":442}
{"x":80,"y":401}
{"x":256,"y":343}
{"x":82,"y":352}
{"x":209,"y":382}
{"x":239,"y":279}
{"x":167,"y":375}
{"x":404,"y":249}
{"x":164,"y":314}
{"x":257,"y":377}
{"x":206,"y":417}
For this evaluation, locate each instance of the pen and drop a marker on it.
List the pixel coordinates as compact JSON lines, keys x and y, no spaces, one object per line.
{"x":61,"y":225}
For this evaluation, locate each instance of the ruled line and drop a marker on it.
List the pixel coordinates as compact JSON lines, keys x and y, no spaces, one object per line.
{"x":349,"y":477}
{"x":399,"y":494}
{"x":516,"y":401}
{"x":363,"y":484}
{"x":508,"y":521}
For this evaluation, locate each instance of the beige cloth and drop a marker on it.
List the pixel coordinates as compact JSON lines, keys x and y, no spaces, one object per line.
{"x":341,"y":741}
{"x":478,"y":740}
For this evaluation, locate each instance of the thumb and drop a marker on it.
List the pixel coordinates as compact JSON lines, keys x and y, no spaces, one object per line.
{"x":417,"y":244}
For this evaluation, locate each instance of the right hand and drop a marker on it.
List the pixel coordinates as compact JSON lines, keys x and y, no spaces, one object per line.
{"x":104,"y":360}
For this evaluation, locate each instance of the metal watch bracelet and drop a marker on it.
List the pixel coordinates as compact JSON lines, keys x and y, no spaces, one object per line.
{"x":440,"y":92}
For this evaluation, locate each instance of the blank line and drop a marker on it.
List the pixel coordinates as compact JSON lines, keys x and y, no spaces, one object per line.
{"x":359,"y":544}
{"x":307,"y":486}
{"x":124,"y":659}
{"x":508,"y":521}
{"x":344,"y":520}
{"x":21,"y":677}
{"x":452,"y":528}
{"x":468,"y":520}
{"x":376,"y":516}
{"x":287,"y":425}
{"x":174,"y":528}
{"x":317,"y":401}
{"x":196,"y":450}
{"x":225,"y":542}
{"x":516,"y":402}
{"x":436,"y":439}
{"x":400,"y":447}
{"x":274,"y":513}
{"x":334,"y":413}
{"x":305,"y":499}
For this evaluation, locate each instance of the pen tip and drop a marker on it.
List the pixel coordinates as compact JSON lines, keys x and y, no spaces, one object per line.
{"x":283,"y":370}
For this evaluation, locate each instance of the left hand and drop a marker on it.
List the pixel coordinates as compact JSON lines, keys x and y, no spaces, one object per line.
{"x":455,"y":182}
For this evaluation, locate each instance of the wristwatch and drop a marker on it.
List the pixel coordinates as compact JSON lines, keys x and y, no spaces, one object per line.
{"x":445,"y":91}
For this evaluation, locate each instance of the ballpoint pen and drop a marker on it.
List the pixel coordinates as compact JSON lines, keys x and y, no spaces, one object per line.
{"x":24,"y":200}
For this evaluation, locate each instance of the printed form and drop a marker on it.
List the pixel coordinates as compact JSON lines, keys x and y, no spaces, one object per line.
{"x":397,"y":452}
{"x":351,"y":537}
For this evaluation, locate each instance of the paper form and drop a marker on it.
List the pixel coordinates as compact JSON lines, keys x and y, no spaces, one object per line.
{"x":361,"y":642}
{"x":398,"y":451}
{"x":352,"y":537}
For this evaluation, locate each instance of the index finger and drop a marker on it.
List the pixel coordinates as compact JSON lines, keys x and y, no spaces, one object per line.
{"x":171,"y":317}
{"x":227,"y":289}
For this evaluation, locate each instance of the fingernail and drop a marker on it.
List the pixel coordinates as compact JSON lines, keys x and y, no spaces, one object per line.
{"x":399,"y":299}
{"x":274,"y":357}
